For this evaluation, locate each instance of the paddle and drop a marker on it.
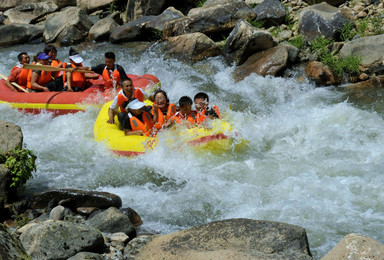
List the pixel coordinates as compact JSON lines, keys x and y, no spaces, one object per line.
{"x":51,"y":68}
{"x":14,"y":83}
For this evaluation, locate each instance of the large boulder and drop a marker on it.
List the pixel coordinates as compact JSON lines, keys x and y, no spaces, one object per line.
{"x":354,"y":247}
{"x":11,"y":136}
{"x":169,"y":14}
{"x":10,"y":247}
{"x":8,"y":4}
{"x":112,"y":220}
{"x":68,"y":27}
{"x":101,"y":30}
{"x":90,"y":6}
{"x":320,"y":73}
{"x":136,"y":9}
{"x":59,"y":239}
{"x":321,"y":20}
{"x":231,"y":239}
{"x":29,"y":13}
{"x":331,"y":2}
{"x":210,"y":20}
{"x":269,"y":62}
{"x":132,"y":31}
{"x":73,"y":199}
{"x":17,"y":33}
{"x":245,"y":40}
{"x":192,"y":47}
{"x":270,"y":12}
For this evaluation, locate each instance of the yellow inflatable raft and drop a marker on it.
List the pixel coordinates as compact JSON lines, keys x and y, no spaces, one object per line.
{"x":217,"y":138}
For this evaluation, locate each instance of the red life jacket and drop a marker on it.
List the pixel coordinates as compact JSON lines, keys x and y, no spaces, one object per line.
{"x":121,"y":98}
{"x":77,"y":78}
{"x":146,"y":126}
{"x":108,"y":81}
{"x":163,"y":118}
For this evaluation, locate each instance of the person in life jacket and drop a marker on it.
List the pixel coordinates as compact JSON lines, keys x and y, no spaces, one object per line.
{"x":126,"y":93}
{"x":18,"y":74}
{"x":201,"y":101}
{"x":185,"y":116}
{"x":76,"y":81}
{"x":112,"y":73}
{"x":53,"y":61}
{"x":137,"y":120}
{"x":40,"y":80}
{"x":162,"y":110}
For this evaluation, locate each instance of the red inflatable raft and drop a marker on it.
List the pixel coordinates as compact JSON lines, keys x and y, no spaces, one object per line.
{"x":60,"y":103}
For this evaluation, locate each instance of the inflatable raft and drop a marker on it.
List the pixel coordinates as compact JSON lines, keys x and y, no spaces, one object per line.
{"x":59,"y":103}
{"x":215,"y":139}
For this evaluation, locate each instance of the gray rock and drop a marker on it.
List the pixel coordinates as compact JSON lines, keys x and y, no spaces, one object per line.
{"x":86,"y":255}
{"x":8,"y":4}
{"x":245,"y":40}
{"x":133,"y":247}
{"x":91,"y":6}
{"x":269,"y":62}
{"x":330,"y":2}
{"x":101,"y":30}
{"x":57,"y":213}
{"x":355,"y":247}
{"x":76,"y":198}
{"x":192,"y":47}
{"x":136,"y":9}
{"x":210,"y":20}
{"x":271,"y":12}
{"x":59,"y":239}
{"x":70,"y":26}
{"x":321,"y":19}
{"x":29,"y":13}
{"x":169,"y":14}
{"x":5,"y":180}
{"x":10,"y":247}
{"x":231,"y":239}
{"x":131,"y":31}
{"x":112,"y":221}
{"x":11,"y":136}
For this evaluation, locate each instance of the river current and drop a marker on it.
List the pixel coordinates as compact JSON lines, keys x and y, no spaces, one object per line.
{"x":314,"y":157}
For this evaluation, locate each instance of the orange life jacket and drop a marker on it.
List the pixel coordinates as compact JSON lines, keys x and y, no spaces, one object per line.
{"x":191,"y":118}
{"x":146,"y":126}
{"x":108,"y":81}
{"x":202,"y":117}
{"x":121,"y":98}
{"x":23,"y":77}
{"x":45,"y":78}
{"x":77,"y":78}
{"x":163,"y":118}
{"x":56,"y":63}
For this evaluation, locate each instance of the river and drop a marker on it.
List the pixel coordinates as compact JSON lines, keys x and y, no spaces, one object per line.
{"x":314,"y":156}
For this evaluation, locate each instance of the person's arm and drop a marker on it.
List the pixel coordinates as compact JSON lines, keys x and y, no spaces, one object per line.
{"x":98,"y":69}
{"x":121,"y":70}
{"x":111,"y":116}
{"x":130,"y":132}
{"x":34,"y":85}
{"x":9,"y":84}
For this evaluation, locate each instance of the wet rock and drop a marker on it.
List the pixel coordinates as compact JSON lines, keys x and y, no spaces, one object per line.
{"x":101,"y":30}
{"x":131,"y":31}
{"x":356,"y":246}
{"x":245,"y":40}
{"x":76,"y":199}
{"x":210,"y":20}
{"x":169,"y":14}
{"x":136,"y":9}
{"x":68,"y":27}
{"x":112,"y":221}
{"x":192,"y":47}
{"x":29,"y":13}
{"x":10,"y":247}
{"x":320,"y":73}
{"x":374,"y":82}
{"x":133,"y":216}
{"x":86,"y":211}
{"x":270,"y":12}
{"x":134,"y":246}
{"x":269,"y":62}
{"x":231,"y":239}
{"x":321,"y":19}
{"x":59,"y":239}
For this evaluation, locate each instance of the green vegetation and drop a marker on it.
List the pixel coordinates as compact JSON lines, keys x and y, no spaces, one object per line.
{"x":112,"y":8}
{"x":348,"y":31}
{"x":348,"y":65}
{"x":297,"y":41}
{"x":21,"y":162}
{"x":256,"y":23}
{"x":200,"y":3}
{"x":364,"y":27}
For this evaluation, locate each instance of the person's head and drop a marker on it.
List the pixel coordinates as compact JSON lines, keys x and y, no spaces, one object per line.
{"x":135,"y":107}
{"x":109,"y":58}
{"x":42,"y":58}
{"x":23,"y":58}
{"x":51,"y":51}
{"x":75,"y":57}
{"x":201,"y":100}
{"x":127,"y":86}
{"x":185,"y":105}
{"x":161,"y":98}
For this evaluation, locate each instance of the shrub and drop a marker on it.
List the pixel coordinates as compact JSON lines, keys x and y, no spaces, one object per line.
{"x":21,"y":162}
{"x":297,"y":41}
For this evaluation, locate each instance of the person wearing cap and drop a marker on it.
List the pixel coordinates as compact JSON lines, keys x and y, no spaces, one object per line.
{"x":76,"y":81}
{"x":40,"y":80}
{"x":19,"y":75}
{"x":138,"y":120}
{"x":126,"y":93}
{"x":112,"y":73}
